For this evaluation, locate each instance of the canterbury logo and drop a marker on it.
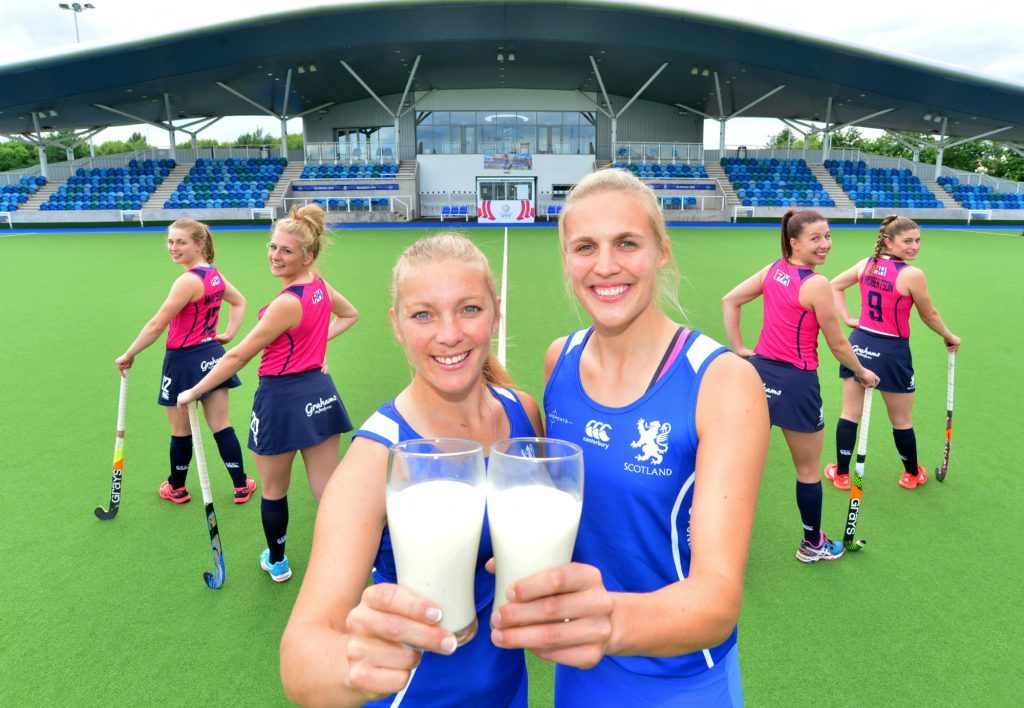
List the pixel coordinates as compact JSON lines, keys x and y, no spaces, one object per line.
{"x":598,"y":430}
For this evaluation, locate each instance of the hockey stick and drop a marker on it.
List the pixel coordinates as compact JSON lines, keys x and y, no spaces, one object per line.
{"x":940,"y":471}
{"x":857,"y":478}
{"x":215,"y":579}
{"x":115,"y":481}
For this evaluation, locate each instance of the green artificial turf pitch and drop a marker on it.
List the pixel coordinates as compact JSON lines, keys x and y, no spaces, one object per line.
{"x":117,"y":613}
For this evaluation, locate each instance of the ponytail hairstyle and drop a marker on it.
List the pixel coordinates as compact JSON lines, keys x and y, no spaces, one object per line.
{"x":451,"y":246}
{"x":200,"y":234}
{"x":793,"y":223}
{"x":617,"y":180}
{"x":306,"y":223}
{"x":892,"y":226}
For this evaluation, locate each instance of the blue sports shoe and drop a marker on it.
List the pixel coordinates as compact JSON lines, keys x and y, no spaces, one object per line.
{"x":825,"y":550}
{"x":279,"y":571}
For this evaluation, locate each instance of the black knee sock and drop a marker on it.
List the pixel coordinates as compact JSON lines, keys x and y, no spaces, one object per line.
{"x":181,"y":456}
{"x":231,"y":453}
{"x":808,"y":499}
{"x":846,"y":438}
{"x":906,"y":445}
{"x":275,"y":525}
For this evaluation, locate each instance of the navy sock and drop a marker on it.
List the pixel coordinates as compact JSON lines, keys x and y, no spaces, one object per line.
{"x":808,"y":499}
{"x":231,"y":453}
{"x":906,"y":445}
{"x":846,"y":438}
{"x":275,"y":525}
{"x":181,"y":456}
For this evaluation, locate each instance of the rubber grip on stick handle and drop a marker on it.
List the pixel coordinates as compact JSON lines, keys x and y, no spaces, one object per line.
{"x":122,"y":401}
{"x":949,"y":380}
{"x":865,"y":421}
{"x":197,"y":444}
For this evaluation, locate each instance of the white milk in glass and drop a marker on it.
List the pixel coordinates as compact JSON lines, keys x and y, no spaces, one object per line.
{"x":533,"y":528}
{"x":435,"y":533}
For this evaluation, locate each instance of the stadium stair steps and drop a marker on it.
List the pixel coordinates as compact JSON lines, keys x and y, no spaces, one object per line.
{"x":169,"y":186}
{"x":717,"y":172}
{"x":406,"y":169}
{"x":33,"y":202}
{"x":841,"y":198}
{"x":292,"y":171}
{"x":941,"y":194}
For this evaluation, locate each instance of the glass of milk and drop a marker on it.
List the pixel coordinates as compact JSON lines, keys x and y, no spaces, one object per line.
{"x":435,"y":499}
{"x":534,"y":500}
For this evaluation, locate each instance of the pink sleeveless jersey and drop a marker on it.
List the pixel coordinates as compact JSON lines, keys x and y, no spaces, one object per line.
{"x":197,"y":321}
{"x":789,"y":331}
{"x":301,"y":348}
{"x":883,"y":309}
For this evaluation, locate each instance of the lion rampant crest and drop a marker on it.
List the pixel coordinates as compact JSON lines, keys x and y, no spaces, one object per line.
{"x":653,"y":440}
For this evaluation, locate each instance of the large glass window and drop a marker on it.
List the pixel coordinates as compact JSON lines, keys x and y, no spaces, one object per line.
{"x":483,"y":132}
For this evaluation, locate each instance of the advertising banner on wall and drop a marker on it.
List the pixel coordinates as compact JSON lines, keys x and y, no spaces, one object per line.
{"x":508,"y":161}
{"x":505,"y":211}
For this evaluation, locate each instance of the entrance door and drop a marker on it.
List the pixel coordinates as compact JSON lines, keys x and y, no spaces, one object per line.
{"x":506,"y":199}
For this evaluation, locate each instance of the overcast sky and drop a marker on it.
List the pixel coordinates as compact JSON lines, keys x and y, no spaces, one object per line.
{"x":983,"y":42}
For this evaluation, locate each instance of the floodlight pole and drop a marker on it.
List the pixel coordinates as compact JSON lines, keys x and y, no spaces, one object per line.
{"x":76,"y":8}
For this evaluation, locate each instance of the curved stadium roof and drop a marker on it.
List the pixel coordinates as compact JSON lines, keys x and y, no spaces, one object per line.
{"x":458,"y":43}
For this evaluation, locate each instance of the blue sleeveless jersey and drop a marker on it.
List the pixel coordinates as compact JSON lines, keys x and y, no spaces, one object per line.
{"x":639,"y":464}
{"x":478,"y":673}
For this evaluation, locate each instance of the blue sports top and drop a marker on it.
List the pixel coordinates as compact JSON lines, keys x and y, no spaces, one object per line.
{"x":639,"y":462}
{"x":478,"y":673}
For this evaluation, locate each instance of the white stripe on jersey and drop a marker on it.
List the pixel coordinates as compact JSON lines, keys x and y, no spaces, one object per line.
{"x":675,"y":531}
{"x":702,"y":348}
{"x":575,"y":340}
{"x":504,"y":392}
{"x":381,"y":425}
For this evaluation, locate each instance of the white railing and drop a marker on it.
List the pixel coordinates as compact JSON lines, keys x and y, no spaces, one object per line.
{"x":704,"y":203}
{"x":339,"y":152}
{"x":979,"y":215}
{"x":688,"y":153}
{"x":401,"y":200}
{"x":431,"y":203}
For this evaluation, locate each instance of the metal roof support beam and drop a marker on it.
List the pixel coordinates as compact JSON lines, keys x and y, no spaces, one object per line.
{"x":408,"y":85}
{"x":135,"y":118}
{"x":284,"y":115}
{"x":964,"y":141}
{"x":596,"y":104}
{"x":855,"y":121}
{"x":193,"y":133}
{"x":314,"y":108}
{"x":614,"y":115}
{"x":247,"y":99}
{"x":170,"y":127}
{"x":805,"y":129}
{"x":758,"y":100}
{"x":722,"y":120}
{"x":412,"y":104}
{"x":40,"y":147}
{"x":826,"y":138}
{"x":942,"y":148}
{"x":604,"y":92}
{"x":910,"y":142}
{"x":1018,"y":149}
{"x":367,"y":88}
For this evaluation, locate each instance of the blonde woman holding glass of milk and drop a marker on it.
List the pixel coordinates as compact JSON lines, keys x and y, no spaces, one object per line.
{"x":350,"y":644}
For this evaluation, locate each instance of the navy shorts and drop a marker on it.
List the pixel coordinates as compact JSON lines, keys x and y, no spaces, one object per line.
{"x":794,"y":397}
{"x":295,"y":411}
{"x":183,"y":368}
{"x":889,"y":357}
